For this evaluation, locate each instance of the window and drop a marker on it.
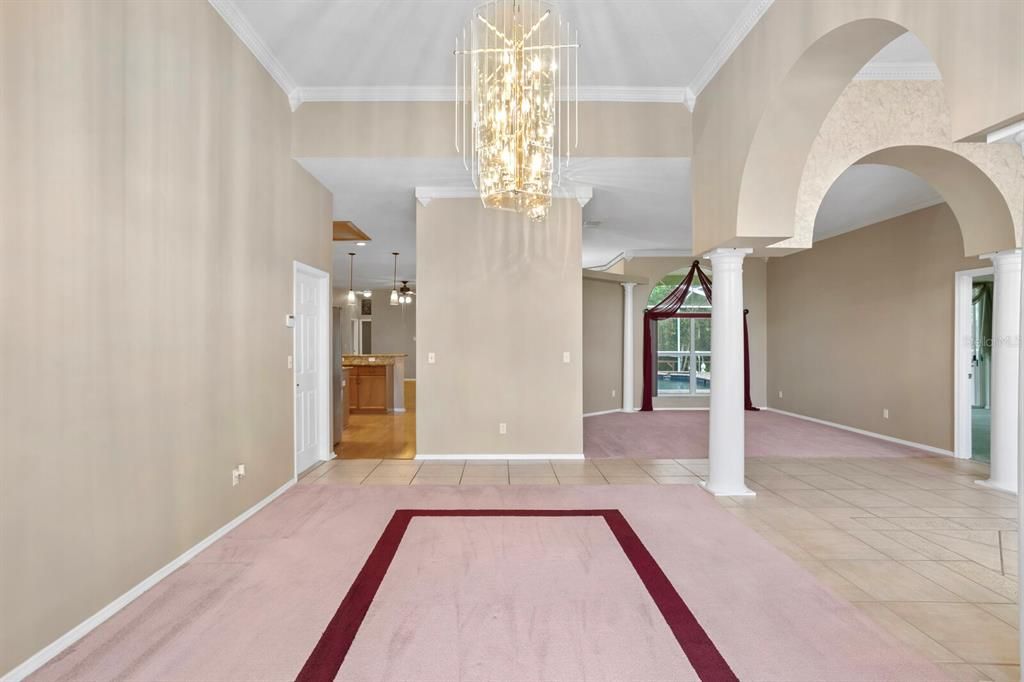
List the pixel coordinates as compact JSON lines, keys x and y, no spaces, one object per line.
{"x":684,"y":347}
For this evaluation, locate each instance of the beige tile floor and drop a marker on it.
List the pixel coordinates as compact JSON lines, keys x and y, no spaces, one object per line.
{"x":914,"y":543}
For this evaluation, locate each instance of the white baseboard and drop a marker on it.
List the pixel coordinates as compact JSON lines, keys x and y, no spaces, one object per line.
{"x":891,"y":439}
{"x":398,"y":410}
{"x":595,"y":414}
{"x":43,"y":656}
{"x":528,"y":456}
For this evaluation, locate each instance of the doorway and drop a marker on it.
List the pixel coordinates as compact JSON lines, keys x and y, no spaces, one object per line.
{"x":973,"y":363}
{"x":311,"y":365}
{"x":362,"y":335}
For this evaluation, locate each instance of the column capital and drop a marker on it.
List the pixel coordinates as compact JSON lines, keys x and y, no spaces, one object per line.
{"x":628,"y":286}
{"x":1005,"y":258}
{"x":727,"y":255}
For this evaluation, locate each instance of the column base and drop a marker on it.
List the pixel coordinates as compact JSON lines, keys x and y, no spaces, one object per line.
{"x":1001,"y":486}
{"x":737,"y":491}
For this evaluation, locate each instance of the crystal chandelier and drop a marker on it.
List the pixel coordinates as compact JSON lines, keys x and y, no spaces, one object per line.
{"x":516,"y":95}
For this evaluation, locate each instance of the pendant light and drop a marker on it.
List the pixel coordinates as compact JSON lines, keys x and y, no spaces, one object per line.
{"x":394,"y":287}
{"x":351,"y":298}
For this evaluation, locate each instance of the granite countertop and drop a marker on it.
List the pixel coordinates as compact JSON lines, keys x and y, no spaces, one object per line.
{"x":375,"y":359}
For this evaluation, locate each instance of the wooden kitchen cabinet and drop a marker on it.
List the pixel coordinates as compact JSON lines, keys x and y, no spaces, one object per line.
{"x":371,"y":388}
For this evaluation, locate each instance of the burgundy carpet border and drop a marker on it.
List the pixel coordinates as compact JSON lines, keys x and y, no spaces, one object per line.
{"x":328,"y":655}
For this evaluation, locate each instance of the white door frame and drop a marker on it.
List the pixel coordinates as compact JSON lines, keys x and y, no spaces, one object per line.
{"x":324,"y":375}
{"x":963,"y":323}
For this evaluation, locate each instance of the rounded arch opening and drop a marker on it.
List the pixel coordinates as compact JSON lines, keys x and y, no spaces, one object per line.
{"x":982,"y":213}
{"x":787,"y":129}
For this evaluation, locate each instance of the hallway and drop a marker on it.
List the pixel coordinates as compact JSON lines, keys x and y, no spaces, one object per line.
{"x":375,"y":436}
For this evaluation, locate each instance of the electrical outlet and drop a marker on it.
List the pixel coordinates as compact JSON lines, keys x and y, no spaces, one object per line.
{"x":430,"y":358}
{"x":780,"y":394}
{"x":885,"y":413}
{"x":502,"y":428}
{"x":235,"y":477}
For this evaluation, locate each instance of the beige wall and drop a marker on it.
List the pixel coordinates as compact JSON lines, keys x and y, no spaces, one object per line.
{"x":864,"y":321}
{"x":426,"y":129}
{"x":754,"y":123}
{"x":602,"y":345}
{"x":393,"y":328}
{"x":755,"y":286}
{"x":149,"y":216}
{"x":500,"y":300}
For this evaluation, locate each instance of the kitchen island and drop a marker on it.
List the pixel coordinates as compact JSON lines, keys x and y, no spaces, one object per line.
{"x":376,"y":382}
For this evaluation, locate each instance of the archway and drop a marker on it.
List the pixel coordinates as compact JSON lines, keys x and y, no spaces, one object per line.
{"x":771,"y":176}
{"x":985,"y":218}
{"x":755,"y":121}
{"x":970,"y":200}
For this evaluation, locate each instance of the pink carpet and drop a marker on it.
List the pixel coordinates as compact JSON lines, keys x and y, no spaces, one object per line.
{"x":513,"y":598}
{"x":683,"y":434}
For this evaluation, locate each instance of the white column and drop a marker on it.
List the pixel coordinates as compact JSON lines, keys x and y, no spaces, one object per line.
{"x":627,"y":346}
{"x":725,"y":438}
{"x":1005,"y":382}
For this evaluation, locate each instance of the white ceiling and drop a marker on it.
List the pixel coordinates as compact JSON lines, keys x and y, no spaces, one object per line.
{"x":408,"y":43}
{"x":907,"y":49}
{"x":869,"y":193}
{"x":631,"y":49}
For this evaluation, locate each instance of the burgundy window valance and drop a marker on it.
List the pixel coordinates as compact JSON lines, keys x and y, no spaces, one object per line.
{"x":669,"y":307}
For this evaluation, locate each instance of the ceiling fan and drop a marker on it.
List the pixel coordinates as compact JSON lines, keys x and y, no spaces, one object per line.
{"x":405,"y":294}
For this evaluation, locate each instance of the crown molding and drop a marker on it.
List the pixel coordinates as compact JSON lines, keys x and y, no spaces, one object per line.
{"x":248,"y":35}
{"x":899,"y":71}
{"x":378,"y":93}
{"x":446,"y":93}
{"x":612,"y":93}
{"x":424,"y":195}
{"x":1013,"y":133}
{"x":656,"y":253}
{"x":753,"y":12}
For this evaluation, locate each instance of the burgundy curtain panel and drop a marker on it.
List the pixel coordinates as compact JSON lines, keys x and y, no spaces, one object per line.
{"x":669,"y":307}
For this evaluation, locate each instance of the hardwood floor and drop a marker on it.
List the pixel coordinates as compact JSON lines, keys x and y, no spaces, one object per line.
{"x":382,"y":436}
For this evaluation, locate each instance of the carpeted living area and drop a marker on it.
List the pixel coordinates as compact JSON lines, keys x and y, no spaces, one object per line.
{"x":567,"y":589}
{"x":683,"y":434}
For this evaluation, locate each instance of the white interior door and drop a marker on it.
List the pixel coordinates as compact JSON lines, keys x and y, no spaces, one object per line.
{"x":311,"y":365}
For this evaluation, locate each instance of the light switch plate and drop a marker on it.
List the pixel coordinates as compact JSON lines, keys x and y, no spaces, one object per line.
{"x":291,"y":362}
{"x":430,"y":358}
{"x":566,"y":357}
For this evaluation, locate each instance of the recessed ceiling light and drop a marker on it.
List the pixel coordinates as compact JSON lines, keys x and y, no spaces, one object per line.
{"x":360,"y":243}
